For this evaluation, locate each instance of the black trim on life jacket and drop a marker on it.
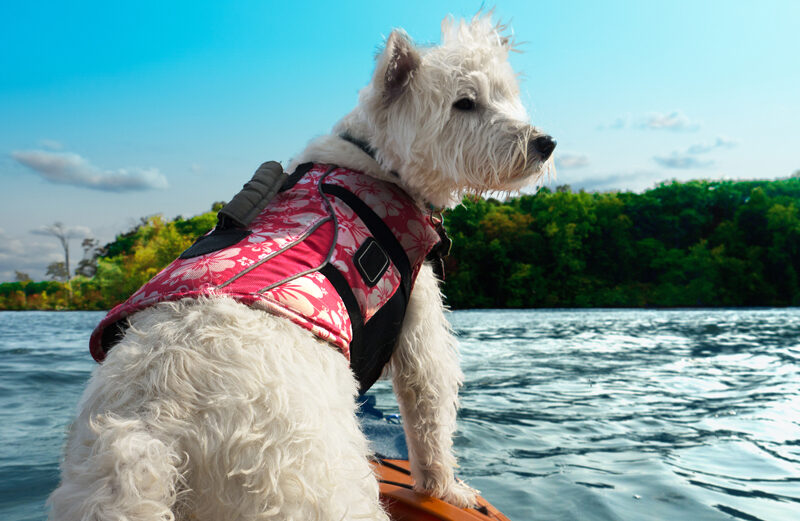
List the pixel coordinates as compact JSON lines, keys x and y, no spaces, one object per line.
{"x":378,"y":338}
{"x":381,"y":333}
{"x":298,"y":174}
{"x":113,"y":333}
{"x":218,"y":239}
{"x":440,"y":250}
{"x":234,"y":218}
{"x":342,"y":287}
{"x":379,"y":230}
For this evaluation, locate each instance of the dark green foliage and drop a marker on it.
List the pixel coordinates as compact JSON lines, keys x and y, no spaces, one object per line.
{"x":701,"y":243}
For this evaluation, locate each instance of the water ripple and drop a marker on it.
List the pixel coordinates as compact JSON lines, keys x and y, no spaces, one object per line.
{"x":702,"y":405}
{"x":566,"y":414}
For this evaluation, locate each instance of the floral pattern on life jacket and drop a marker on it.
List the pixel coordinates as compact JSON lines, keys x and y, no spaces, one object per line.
{"x":276,"y":266}
{"x":309,"y":297}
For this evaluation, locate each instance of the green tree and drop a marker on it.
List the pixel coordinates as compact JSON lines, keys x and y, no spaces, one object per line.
{"x":701,"y":243}
{"x":57,"y":271}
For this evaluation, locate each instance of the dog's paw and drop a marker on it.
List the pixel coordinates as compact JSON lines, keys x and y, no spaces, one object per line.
{"x":456,"y":492}
{"x":460,"y":494}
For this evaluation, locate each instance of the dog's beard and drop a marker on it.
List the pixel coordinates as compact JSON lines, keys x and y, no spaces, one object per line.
{"x":512,"y":169}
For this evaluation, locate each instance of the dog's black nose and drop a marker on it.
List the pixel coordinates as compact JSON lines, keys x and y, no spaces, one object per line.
{"x":544,"y":146}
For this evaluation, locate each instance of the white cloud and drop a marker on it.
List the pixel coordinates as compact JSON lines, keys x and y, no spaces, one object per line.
{"x":32,"y":254}
{"x":619,"y":123}
{"x":51,"y":144}
{"x":72,"y":169}
{"x":682,"y":161}
{"x":635,"y":180}
{"x":27,"y":254}
{"x":675,"y":121}
{"x":686,"y":160}
{"x":567,"y":161}
{"x":9,"y":245}
{"x":703,"y":148}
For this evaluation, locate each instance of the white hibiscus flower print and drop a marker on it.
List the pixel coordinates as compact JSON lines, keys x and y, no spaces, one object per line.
{"x":352,"y":233}
{"x":298,"y":295}
{"x":365,"y":186}
{"x":197,"y":268}
{"x":416,"y":241}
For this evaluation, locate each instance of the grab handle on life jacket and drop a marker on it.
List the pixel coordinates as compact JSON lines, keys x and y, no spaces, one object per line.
{"x":254,"y":196}
{"x":236,"y":216}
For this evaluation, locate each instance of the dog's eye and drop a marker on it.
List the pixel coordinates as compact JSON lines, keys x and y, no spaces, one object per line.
{"x":464,"y":104}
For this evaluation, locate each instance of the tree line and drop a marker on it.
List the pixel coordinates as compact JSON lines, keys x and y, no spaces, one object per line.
{"x":698,"y":243}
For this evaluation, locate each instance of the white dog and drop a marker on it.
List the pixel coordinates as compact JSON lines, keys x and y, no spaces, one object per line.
{"x":210,"y":409}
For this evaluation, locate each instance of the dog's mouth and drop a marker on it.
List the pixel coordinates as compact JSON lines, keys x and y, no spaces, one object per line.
{"x":529,"y":163}
{"x":532,"y":174}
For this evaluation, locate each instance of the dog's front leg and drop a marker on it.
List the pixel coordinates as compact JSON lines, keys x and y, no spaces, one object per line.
{"x":426,"y":376}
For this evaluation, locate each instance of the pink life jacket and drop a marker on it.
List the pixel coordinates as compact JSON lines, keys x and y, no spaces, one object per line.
{"x":335,"y":251}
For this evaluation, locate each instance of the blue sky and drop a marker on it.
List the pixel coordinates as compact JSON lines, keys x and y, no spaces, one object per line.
{"x":113,"y":111}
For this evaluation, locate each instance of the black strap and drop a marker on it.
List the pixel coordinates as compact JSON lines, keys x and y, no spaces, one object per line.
{"x":339,"y":283}
{"x":365,"y":146}
{"x":234,"y":218}
{"x":379,"y":230}
{"x":440,"y":250}
{"x":221,"y":237}
{"x":360,"y":143}
{"x":298,"y":174}
{"x":378,"y":337}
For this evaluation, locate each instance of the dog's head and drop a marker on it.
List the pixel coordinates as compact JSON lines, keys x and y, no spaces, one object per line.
{"x":448,"y":119}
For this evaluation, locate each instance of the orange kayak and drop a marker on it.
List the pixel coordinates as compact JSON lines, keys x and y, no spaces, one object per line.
{"x":390,"y":462}
{"x":404,"y":504}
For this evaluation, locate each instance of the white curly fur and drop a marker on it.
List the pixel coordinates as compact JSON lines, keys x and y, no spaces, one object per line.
{"x":440,"y":152}
{"x":210,"y":410}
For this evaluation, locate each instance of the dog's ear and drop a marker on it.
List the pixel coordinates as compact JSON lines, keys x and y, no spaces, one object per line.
{"x":397,"y":64}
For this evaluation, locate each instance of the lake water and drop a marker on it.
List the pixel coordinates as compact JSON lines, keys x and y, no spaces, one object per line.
{"x":567,"y":414}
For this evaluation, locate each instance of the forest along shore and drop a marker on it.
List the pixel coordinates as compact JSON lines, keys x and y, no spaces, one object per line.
{"x":692,"y":244}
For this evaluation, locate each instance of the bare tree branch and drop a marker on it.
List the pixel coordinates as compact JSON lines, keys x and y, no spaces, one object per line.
{"x":63,"y":234}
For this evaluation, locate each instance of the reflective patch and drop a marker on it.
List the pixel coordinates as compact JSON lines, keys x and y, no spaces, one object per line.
{"x":371,"y":261}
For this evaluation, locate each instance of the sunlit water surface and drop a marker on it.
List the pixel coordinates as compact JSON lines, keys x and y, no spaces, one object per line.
{"x":566,"y":414}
